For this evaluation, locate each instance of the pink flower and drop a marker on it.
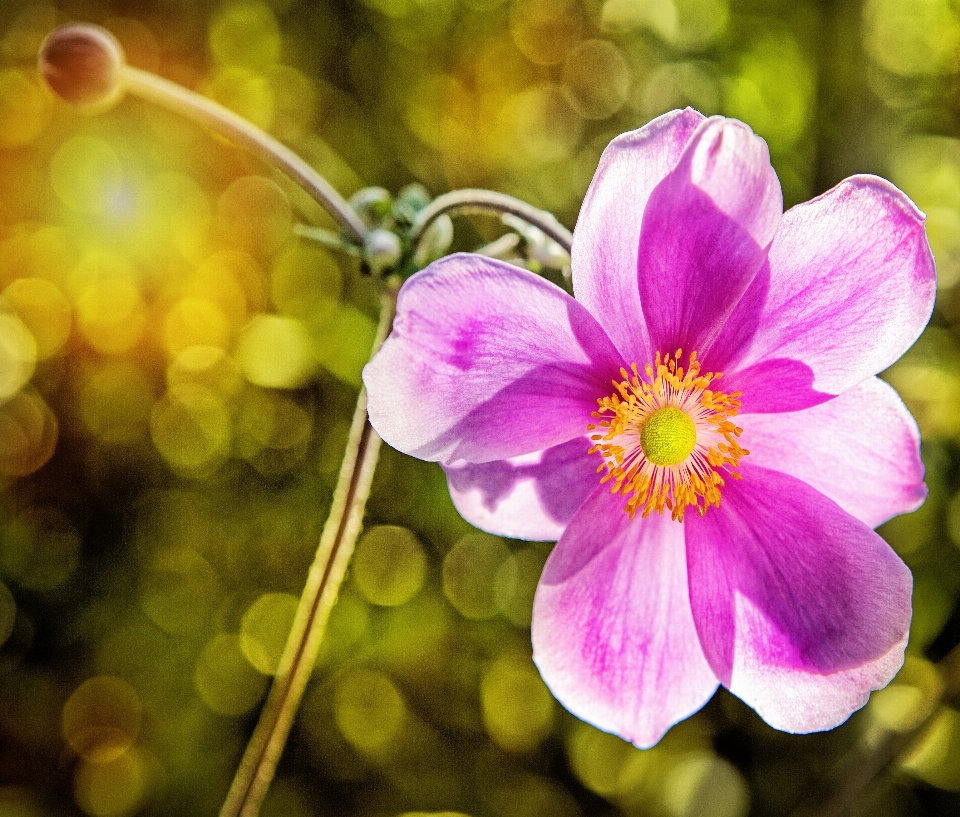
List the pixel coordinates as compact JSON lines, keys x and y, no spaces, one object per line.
{"x":711,"y":530}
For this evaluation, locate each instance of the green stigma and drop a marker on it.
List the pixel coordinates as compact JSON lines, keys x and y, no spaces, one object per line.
{"x":668,"y":436}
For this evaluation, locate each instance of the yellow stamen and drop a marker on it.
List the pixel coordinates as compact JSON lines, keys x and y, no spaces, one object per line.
{"x":666,"y":437}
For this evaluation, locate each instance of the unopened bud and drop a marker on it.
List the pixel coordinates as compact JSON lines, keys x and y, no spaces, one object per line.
{"x":371,"y":204}
{"x":382,"y":251}
{"x":435,"y":241}
{"x":81,"y":63}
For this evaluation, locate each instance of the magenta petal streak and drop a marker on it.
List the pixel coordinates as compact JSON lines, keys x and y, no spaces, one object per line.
{"x":605,"y":241}
{"x":802,"y":610}
{"x":861,"y":449}
{"x":485,"y":362}
{"x":849,"y":287}
{"x":705,"y":234}
{"x":613,"y":633}
{"x":528,"y":497}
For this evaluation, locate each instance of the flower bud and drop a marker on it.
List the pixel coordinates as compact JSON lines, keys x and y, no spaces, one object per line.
{"x":381,"y":251}
{"x":371,"y":204}
{"x":81,"y":63}
{"x":435,"y":241}
{"x":415,"y":195}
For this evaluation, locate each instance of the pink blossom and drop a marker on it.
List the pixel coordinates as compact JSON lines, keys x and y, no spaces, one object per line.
{"x":730,"y":540}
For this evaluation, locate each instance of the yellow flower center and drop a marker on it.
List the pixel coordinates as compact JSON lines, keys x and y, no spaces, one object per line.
{"x":665,"y":438}
{"x":668,"y":436}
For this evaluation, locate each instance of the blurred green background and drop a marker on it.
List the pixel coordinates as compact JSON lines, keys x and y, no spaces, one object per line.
{"x":178,"y":370}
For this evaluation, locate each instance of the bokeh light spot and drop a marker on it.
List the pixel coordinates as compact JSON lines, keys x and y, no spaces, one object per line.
{"x":208,"y":366}
{"x":704,"y":785}
{"x":596,"y":79}
{"x":192,"y":429}
{"x":342,"y":342}
{"x":934,"y":757}
{"x":111,"y":314}
{"x":28,"y":434}
{"x":389,"y":565}
{"x":85,"y":173}
{"x":677,"y":84}
{"x":274,"y":352}
{"x":517,"y":707}
{"x":544,"y":126}
{"x":195,"y":322}
{"x":773,"y":91}
{"x":179,"y":590}
{"x":18,"y":355}
{"x":349,"y":623}
{"x":8,"y":613}
{"x":928,"y":170}
{"x":907,"y":700}
{"x":912,"y":37}
{"x":516,"y":583}
{"x":305,"y":282}
{"x":34,"y":251}
{"x":245,"y":92}
{"x":224,"y":678}
{"x":469,"y":574}
{"x":115,"y":403}
{"x":255,"y":214}
{"x":173,"y":208}
{"x":607,"y":765}
{"x":264,"y":630}
{"x":369,"y":710}
{"x":101,"y":719}
{"x":544,"y":30}
{"x":113,"y":789}
{"x":245,"y":33}
{"x":40,"y":549}
{"x":44,"y":310}
{"x":23,"y":109}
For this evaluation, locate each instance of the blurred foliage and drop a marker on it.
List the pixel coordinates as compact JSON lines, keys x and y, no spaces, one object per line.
{"x":177,"y":374}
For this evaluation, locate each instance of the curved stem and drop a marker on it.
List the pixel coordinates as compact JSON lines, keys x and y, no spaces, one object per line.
{"x":204,"y":111}
{"x":259,"y":762}
{"x":486,"y":201}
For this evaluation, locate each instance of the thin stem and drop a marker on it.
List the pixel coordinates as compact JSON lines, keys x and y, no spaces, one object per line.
{"x":204,"y":111}
{"x":486,"y":201}
{"x":327,"y":238}
{"x":259,"y":762}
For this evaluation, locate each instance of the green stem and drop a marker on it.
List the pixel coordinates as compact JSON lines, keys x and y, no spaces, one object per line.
{"x":487,"y":201}
{"x":340,"y":532}
{"x":205,"y":112}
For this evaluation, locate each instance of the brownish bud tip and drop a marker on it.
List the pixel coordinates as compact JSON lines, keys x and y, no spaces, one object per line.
{"x":81,"y":63}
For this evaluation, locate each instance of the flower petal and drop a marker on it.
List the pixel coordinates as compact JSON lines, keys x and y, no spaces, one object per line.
{"x":613,"y":633}
{"x":802,"y":610}
{"x":529,"y":497}
{"x":705,"y":233}
{"x":486,"y":361}
{"x":849,"y":287}
{"x":605,"y":241}
{"x":861,"y":449}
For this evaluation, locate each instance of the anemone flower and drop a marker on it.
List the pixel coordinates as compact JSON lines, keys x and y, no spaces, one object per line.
{"x":711,"y":530}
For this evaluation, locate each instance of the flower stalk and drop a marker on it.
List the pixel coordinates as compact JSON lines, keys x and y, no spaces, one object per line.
{"x":340,"y":532}
{"x":487,"y":201}
{"x":85,"y":66}
{"x":235,"y":128}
